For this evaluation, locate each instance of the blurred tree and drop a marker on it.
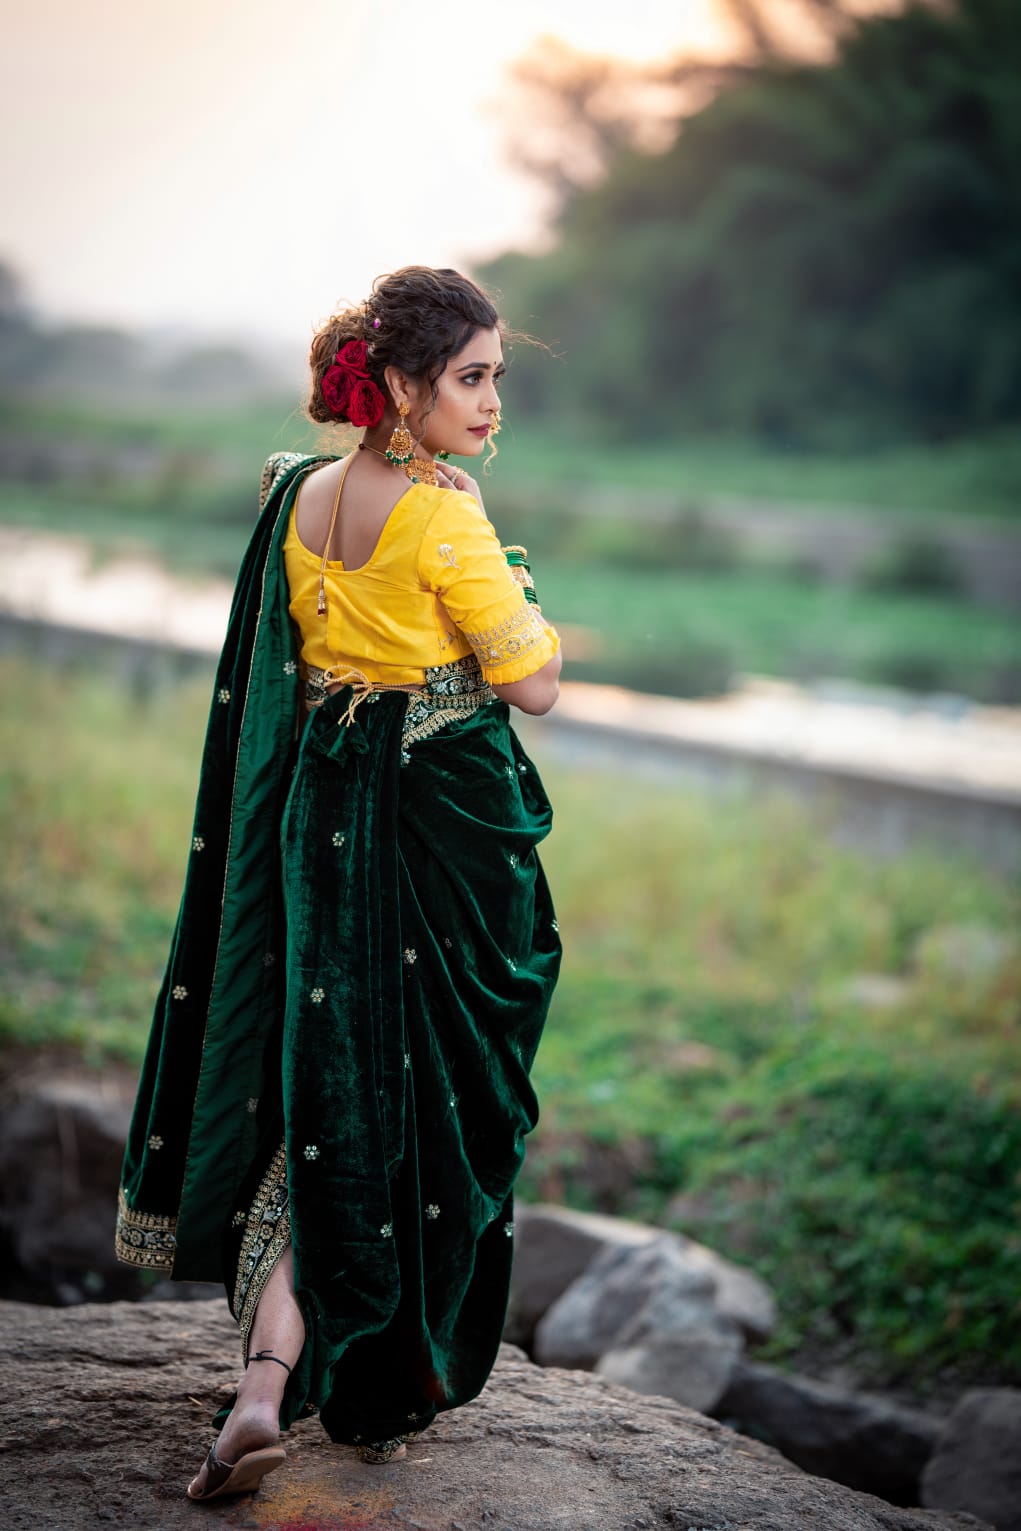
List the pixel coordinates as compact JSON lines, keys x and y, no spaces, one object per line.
{"x":223,"y":371}
{"x":824,"y":253}
{"x":13,"y":302}
{"x":93,"y":360}
{"x":570,"y":114}
{"x":97,"y":358}
{"x":16,"y":330}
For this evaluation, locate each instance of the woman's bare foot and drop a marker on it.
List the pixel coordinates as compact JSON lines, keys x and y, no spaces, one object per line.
{"x":275,"y":1343}
{"x":252,"y":1424}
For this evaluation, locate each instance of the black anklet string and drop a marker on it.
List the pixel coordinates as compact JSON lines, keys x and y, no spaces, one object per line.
{"x":267,"y":1355}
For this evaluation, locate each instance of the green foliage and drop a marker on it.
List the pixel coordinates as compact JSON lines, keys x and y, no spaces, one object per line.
{"x":914,"y":563}
{"x":709,"y":1066}
{"x":868,"y":1195}
{"x":827,"y":254}
{"x":690,"y":633}
{"x":96,"y":840}
{"x":119,"y":456}
{"x":974,"y":477}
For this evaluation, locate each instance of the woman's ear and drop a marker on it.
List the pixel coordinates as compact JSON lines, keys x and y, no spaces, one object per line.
{"x":397,"y":384}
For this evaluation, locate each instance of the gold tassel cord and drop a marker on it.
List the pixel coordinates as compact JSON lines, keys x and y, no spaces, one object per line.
{"x":321,"y":603}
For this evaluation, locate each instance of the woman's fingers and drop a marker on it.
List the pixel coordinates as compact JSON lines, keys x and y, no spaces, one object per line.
{"x":457,"y":478}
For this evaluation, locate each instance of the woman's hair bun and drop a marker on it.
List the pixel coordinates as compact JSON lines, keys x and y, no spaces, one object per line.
{"x":415,"y":320}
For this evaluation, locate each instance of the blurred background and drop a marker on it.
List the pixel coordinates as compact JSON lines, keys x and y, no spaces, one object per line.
{"x":767,"y":465}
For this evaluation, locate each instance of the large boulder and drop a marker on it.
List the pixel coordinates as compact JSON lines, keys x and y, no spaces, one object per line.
{"x":553,"y":1246}
{"x":62,"y":1133}
{"x":647,"y":1317}
{"x":62,"y":1137}
{"x":694,"y":1367}
{"x":108,"y":1417}
{"x":977,"y":1461}
{"x":853,"y":1438}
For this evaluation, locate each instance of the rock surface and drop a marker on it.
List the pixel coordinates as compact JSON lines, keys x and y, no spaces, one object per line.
{"x":864,"y":1442}
{"x":108,"y":1418}
{"x":977,"y":1460}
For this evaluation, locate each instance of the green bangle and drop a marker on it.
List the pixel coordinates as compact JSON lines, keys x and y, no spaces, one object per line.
{"x":517,"y":558}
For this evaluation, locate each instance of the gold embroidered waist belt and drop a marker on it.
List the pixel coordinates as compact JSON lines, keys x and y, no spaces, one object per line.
{"x":449,"y":693}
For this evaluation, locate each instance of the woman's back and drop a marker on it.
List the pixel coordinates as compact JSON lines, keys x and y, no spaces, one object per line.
{"x":411,"y":581}
{"x":369,"y":497}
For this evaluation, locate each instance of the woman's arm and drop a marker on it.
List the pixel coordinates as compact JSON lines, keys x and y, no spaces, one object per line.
{"x":536,"y":693}
{"x":463,"y":562}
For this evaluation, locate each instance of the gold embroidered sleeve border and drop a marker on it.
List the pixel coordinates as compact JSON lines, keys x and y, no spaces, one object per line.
{"x":510,"y":639}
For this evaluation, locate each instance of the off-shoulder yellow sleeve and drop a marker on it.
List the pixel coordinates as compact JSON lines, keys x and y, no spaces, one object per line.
{"x":460,"y":559}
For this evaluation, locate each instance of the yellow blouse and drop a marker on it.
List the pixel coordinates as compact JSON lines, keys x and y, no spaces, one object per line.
{"x":436,"y":587}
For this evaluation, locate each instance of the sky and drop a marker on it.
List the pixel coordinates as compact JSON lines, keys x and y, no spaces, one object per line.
{"x":244,"y":166}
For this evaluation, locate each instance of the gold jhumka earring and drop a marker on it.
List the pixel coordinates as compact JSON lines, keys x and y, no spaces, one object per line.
{"x":401,"y":446}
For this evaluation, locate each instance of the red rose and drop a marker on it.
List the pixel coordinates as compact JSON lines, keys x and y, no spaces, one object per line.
{"x":336,"y":388}
{"x":354,"y":356}
{"x":365,"y":403}
{"x":348,"y":388}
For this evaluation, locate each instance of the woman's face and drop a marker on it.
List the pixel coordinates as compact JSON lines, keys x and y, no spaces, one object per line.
{"x":466,"y":399}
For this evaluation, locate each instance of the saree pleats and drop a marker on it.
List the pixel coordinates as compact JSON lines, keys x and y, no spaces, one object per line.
{"x":421,"y":951}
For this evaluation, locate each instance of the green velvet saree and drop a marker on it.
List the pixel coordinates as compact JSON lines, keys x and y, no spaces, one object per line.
{"x":359,"y":976}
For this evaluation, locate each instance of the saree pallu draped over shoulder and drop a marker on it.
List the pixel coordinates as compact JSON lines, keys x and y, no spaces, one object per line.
{"x":339,"y":1060}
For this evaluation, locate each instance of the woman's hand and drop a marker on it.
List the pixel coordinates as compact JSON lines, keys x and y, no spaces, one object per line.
{"x":451,"y":477}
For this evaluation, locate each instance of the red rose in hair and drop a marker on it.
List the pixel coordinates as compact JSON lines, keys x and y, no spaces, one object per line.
{"x":353,"y":357}
{"x":365,"y":403}
{"x":336,"y":386}
{"x":349,"y":390}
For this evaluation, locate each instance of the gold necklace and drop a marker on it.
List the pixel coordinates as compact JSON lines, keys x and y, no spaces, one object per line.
{"x":420,"y":470}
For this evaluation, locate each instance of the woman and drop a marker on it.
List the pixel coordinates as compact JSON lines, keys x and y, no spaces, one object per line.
{"x":333,"y":1104}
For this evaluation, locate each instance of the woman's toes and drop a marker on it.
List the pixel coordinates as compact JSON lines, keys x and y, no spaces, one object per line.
{"x":197,"y":1485}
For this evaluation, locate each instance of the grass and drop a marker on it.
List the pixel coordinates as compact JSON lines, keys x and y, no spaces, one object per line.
{"x":709,"y":1066}
{"x":709,"y":1063}
{"x":691,"y":632}
{"x":96,"y":806}
{"x":977,"y":477}
{"x":241,"y":436}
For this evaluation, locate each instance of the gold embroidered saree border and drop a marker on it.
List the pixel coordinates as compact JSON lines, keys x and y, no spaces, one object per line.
{"x":267,"y":1234}
{"x":452,"y":692}
{"x":273,"y":471}
{"x":144,"y":1238}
